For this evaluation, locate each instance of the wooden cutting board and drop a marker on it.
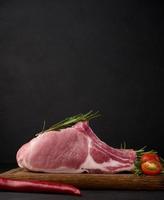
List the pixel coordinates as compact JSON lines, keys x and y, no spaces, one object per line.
{"x":93,"y":181}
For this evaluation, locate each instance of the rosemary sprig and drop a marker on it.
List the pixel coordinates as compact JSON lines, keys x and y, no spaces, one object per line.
{"x":44,"y":125}
{"x":137,"y":167}
{"x":142,"y":151}
{"x":123,"y":145}
{"x":162,"y":160}
{"x":70,"y":121}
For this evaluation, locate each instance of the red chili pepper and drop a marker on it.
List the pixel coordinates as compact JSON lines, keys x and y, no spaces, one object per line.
{"x":37,"y":186}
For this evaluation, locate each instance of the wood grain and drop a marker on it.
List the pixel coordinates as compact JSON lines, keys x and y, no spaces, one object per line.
{"x":93,"y":181}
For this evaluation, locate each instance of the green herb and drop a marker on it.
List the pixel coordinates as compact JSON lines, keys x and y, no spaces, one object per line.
{"x":162,"y":160}
{"x":70,"y":121}
{"x":123,"y":145}
{"x":137,"y":167}
{"x":44,"y":124}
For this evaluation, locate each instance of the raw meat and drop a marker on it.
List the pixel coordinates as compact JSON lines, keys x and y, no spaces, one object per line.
{"x":73,"y":150}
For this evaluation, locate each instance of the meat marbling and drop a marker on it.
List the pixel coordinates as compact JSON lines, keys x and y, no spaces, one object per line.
{"x":75,"y":149}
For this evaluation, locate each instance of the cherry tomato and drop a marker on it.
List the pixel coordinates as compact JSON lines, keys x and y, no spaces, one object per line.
{"x":149,"y":156}
{"x":151,"y":167}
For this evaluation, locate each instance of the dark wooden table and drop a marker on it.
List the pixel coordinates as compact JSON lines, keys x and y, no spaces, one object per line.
{"x":86,"y":194}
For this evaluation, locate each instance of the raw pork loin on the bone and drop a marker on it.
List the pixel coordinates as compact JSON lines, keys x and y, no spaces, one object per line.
{"x":73,"y":150}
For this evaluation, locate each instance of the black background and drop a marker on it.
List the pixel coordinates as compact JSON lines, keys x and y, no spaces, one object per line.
{"x":60,"y":58}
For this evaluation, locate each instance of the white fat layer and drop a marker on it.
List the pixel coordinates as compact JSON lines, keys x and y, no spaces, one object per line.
{"x":90,"y":163}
